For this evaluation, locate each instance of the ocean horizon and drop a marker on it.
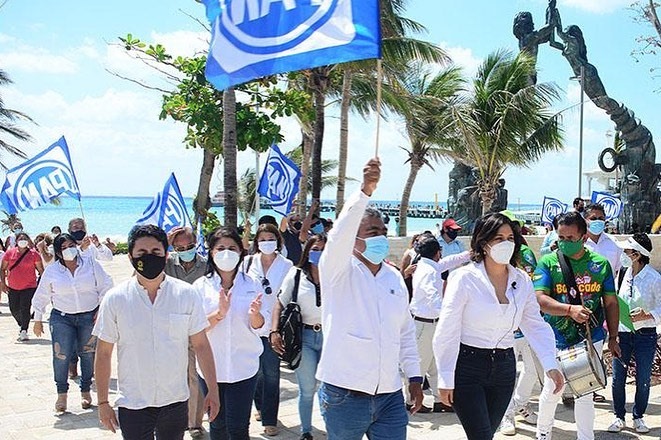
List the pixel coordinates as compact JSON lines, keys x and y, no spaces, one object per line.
{"x":114,"y":216}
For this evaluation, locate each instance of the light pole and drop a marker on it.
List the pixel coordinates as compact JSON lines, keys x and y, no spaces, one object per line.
{"x":581,"y":79}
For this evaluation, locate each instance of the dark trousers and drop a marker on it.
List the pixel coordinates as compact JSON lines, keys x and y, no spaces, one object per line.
{"x":233,"y":420}
{"x":267,"y":394}
{"x":168,"y":422}
{"x":484,"y":382}
{"x":20,"y":302}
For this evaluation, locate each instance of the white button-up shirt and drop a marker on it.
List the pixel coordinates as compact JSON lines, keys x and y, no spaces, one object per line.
{"x":152,"y":340}
{"x":307,"y":296}
{"x":644,"y":291}
{"x":606,"y":247}
{"x":79,"y":292}
{"x":101,"y":253}
{"x":428,"y":284}
{"x":235,"y":344}
{"x":471,"y":315}
{"x":275,"y":275}
{"x":368,"y":330}
{"x":452,"y":248}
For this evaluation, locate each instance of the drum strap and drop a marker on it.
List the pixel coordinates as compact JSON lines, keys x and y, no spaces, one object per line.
{"x":575,"y":297}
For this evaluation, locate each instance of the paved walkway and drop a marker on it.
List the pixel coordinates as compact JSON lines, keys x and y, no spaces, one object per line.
{"x":27,"y":398}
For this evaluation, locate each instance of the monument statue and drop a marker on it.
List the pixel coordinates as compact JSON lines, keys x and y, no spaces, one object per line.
{"x":639,"y":190}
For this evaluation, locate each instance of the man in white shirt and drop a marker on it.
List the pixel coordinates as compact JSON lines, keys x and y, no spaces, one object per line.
{"x":152,"y":318}
{"x":89,"y":244}
{"x":598,"y":241}
{"x":425,"y":308}
{"x":368,"y":331}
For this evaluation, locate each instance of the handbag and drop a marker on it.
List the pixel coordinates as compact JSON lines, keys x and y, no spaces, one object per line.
{"x":290,"y":328}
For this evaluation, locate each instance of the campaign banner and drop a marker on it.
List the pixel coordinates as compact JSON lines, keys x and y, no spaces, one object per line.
{"x":612,"y":204}
{"x":279,"y":181}
{"x":551,"y":208}
{"x":39,"y":180}
{"x":255,"y":38}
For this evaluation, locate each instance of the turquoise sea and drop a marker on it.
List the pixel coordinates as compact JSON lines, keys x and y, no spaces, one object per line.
{"x":114,"y":216}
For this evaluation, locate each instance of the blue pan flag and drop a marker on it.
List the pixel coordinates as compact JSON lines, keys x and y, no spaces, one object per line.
{"x":612,"y":204}
{"x":168,"y":209}
{"x":280,"y":180}
{"x":551,"y":208}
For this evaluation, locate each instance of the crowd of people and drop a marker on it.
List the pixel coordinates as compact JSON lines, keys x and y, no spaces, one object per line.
{"x":200,"y":335}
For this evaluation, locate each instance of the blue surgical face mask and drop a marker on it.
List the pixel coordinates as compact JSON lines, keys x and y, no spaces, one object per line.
{"x":596,"y":227}
{"x":187,"y":256}
{"x":318,"y":228}
{"x":376,"y":248}
{"x":314,"y":257}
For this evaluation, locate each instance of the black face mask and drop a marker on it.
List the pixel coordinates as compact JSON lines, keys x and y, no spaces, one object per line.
{"x":78,"y":235}
{"x":149,"y":265}
{"x":580,"y":208}
{"x":451,"y":234}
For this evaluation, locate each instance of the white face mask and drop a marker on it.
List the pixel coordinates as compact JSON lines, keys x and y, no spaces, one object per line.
{"x":625,"y":260}
{"x":69,"y":254}
{"x":50,"y":249}
{"x":226,"y":260}
{"x":502,"y":252}
{"x":267,"y":247}
{"x":22,"y":244}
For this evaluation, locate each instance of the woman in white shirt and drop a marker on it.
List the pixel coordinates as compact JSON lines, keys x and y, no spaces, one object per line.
{"x":640,"y":289}
{"x":484,"y":303}
{"x":74,"y":285}
{"x":309,"y":300}
{"x":232,"y":302}
{"x":269,"y":268}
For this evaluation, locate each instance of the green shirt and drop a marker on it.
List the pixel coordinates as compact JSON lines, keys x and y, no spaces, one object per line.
{"x":527,"y":260}
{"x":594,"y":279}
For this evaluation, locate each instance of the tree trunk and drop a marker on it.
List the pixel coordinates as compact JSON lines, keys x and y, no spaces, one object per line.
{"x":202,"y":200}
{"x":229,"y":157}
{"x":319,"y":85}
{"x":306,"y":145}
{"x":487,"y":191}
{"x":406,"y":197}
{"x":344,"y":141}
{"x":654,"y":17}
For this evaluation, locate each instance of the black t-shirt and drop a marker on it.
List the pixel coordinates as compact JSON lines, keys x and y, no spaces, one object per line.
{"x":293,"y":245}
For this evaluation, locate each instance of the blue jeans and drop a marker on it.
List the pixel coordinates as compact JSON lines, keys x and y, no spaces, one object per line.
{"x":168,"y":422}
{"x":483,"y":386}
{"x":350,"y":415}
{"x":72,"y":333}
{"x":267,"y":394}
{"x":305,"y":376}
{"x":643,"y":347}
{"x":233,"y":420}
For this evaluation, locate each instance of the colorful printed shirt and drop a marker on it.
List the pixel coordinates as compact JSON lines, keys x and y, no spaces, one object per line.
{"x":527,"y":260}
{"x":594,"y":279}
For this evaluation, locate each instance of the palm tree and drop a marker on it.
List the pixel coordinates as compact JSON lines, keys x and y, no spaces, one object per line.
{"x":425,"y":104}
{"x":229,"y":157}
{"x":8,"y":119}
{"x":502,"y":122}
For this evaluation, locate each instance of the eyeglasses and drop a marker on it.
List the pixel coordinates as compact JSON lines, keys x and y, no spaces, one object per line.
{"x":266,"y":284}
{"x":185,"y":248}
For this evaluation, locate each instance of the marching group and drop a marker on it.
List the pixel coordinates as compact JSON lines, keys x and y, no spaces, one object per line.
{"x":198,"y":335}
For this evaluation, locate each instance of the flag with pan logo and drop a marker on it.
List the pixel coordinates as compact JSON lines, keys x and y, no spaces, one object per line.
{"x":255,"y":38}
{"x":280,"y":180}
{"x":168,"y":209}
{"x":612,"y":204}
{"x":551,"y":208}
{"x":39,"y":180}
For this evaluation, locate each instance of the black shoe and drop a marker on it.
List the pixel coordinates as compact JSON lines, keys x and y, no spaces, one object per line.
{"x":440,"y":407}
{"x":423,"y":409}
{"x":568,"y":401}
{"x":306,"y":436}
{"x":425,"y":384}
{"x":598,"y":398}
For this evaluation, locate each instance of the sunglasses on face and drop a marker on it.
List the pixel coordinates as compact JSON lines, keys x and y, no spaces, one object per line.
{"x":266,"y":284}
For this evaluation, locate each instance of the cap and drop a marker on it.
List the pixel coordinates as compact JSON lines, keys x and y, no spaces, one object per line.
{"x":451,"y":224}
{"x":267,"y":219}
{"x":510,"y":215}
{"x":630,"y":243}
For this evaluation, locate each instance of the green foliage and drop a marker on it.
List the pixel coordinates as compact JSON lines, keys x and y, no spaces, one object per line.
{"x":9,"y":221}
{"x":121,"y":248}
{"x":210,"y":223}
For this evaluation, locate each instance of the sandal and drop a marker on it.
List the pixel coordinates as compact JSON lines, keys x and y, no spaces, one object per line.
{"x":86,"y":400}
{"x":271,"y":431}
{"x":598,"y":398}
{"x":61,"y":403}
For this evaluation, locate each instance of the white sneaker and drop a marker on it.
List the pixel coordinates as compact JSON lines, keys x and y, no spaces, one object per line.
{"x":23,"y":336}
{"x":640,"y":426}
{"x":617,"y":425}
{"x":507,"y":426}
{"x":527,"y":414}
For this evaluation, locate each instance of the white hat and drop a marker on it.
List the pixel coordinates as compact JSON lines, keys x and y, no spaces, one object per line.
{"x":630,"y":243}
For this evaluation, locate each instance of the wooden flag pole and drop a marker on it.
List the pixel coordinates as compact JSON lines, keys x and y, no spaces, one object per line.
{"x":379,"y":80}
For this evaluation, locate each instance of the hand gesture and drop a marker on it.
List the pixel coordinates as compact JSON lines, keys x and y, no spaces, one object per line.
{"x":371,"y":176}
{"x":111,"y":245}
{"x":38,"y":328}
{"x":85,"y":243}
{"x":579,"y":314}
{"x":224,"y":302}
{"x":255,"y":305}
{"x":410,"y":270}
{"x":557,"y":378}
{"x":171,"y":234}
{"x":107,"y":417}
{"x":95,"y":240}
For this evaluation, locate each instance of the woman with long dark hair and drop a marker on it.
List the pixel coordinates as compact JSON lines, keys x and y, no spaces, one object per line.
{"x":232,"y":302}
{"x":484,"y":303}
{"x":309,"y":300}
{"x":74,"y":285}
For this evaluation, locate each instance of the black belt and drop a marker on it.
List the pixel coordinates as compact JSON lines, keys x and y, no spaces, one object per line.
{"x":495,"y":353}
{"x":315,"y":327}
{"x":646,"y":331}
{"x":427,"y":320}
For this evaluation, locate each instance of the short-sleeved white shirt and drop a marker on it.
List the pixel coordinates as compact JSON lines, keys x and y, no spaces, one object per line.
{"x":235,"y":344}
{"x":307,"y":296}
{"x":152,"y":340}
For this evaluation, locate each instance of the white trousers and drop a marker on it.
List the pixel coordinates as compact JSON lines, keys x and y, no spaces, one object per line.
{"x":424,"y":334}
{"x":527,"y":376}
{"x":583,"y":408}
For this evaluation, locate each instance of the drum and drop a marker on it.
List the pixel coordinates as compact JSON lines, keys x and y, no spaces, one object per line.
{"x":583,"y":369}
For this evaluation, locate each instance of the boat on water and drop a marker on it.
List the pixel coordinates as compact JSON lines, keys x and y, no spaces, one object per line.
{"x":218,"y":201}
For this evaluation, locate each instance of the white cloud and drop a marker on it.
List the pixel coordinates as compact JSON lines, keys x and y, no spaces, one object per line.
{"x":184,"y":43}
{"x":463,"y":57}
{"x":36,"y":61}
{"x":597,"y":6}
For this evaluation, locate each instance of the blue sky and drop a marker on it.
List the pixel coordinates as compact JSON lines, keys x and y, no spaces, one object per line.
{"x":57,"y":54}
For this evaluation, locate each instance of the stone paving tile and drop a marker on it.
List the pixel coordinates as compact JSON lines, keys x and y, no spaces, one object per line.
{"x":27,"y":397}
